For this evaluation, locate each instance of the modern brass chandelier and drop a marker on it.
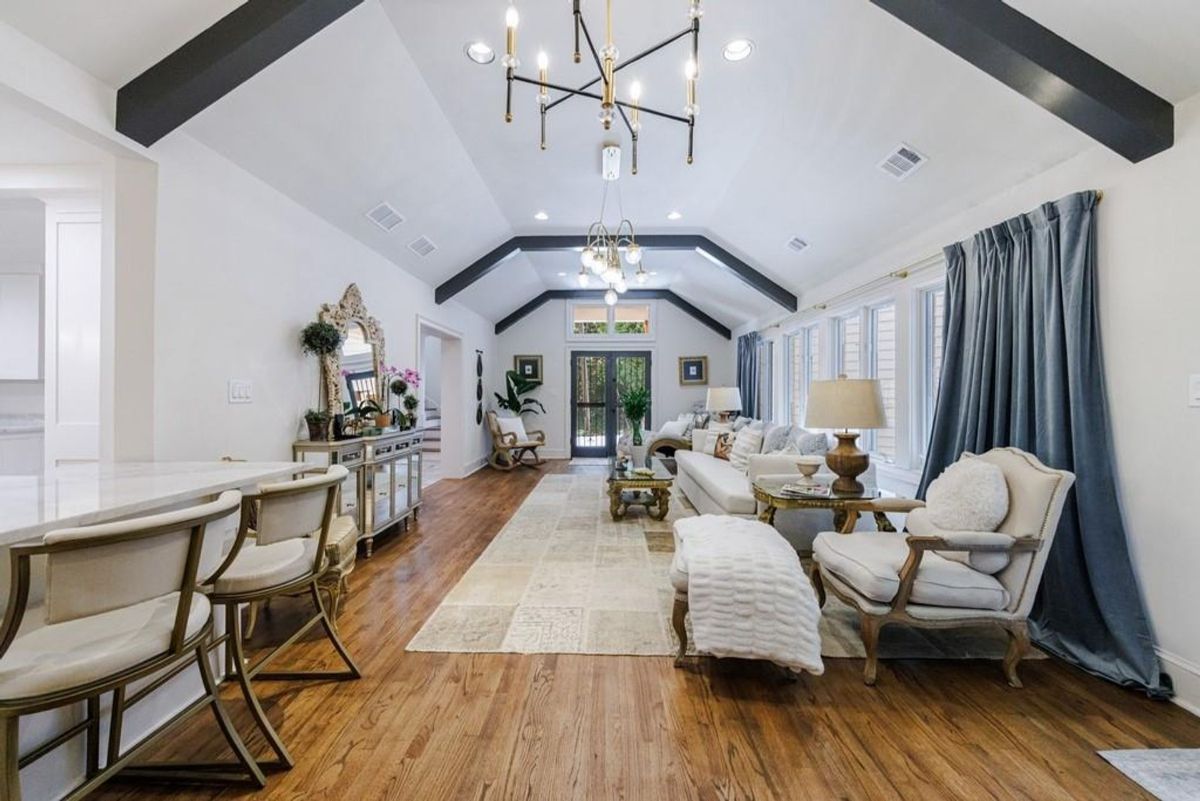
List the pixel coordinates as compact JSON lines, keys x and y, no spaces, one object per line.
{"x":604,"y":247}
{"x":608,"y":63}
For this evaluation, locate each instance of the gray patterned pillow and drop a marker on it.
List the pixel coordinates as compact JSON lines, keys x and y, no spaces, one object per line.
{"x":775,"y":438}
{"x":741,"y":423}
{"x":810,"y":444}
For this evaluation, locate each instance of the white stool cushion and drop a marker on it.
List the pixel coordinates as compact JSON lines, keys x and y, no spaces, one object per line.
{"x":60,"y":656}
{"x":870,"y":562}
{"x":261,"y":567}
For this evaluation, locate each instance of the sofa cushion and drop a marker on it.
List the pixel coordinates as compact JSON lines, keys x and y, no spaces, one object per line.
{"x":673,"y":429}
{"x":747,"y":442}
{"x":870,"y":562}
{"x":741,"y":422}
{"x":775,"y":438}
{"x":720,"y":480}
{"x":809,"y":443}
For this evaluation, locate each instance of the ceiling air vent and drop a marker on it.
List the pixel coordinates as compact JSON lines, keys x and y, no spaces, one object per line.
{"x":902,"y":162}
{"x":422,"y":247}
{"x":385,"y":217}
{"x":797,"y":244}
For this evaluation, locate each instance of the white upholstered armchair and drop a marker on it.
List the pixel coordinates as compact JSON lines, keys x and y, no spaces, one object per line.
{"x":936,"y":578}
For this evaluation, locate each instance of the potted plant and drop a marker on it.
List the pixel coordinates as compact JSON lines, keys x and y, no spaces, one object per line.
{"x":320,"y":339}
{"x":318,"y":424}
{"x":513,"y":401}
{"x":635,"y":403}
{"x":369,"y":409}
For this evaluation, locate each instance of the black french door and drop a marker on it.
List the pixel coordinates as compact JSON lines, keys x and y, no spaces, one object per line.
{"x":598,"y":379}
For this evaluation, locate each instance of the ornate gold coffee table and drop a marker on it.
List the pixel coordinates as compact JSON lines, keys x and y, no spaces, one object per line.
{"x":626,"y":488}
{"x":846,"y":508}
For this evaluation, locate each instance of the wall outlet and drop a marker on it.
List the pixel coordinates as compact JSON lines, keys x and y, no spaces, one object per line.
{"x":1194,"y":390}
{"x":241,"y":391}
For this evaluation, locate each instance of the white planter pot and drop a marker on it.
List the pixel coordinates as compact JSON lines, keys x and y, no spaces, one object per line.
{"x":639,"y":455}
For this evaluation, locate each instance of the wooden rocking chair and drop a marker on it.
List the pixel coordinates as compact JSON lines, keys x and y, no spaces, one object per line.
{"x":509,"y":450}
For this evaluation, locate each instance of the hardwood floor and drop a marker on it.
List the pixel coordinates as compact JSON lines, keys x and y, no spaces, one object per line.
{"x":555,"y":727}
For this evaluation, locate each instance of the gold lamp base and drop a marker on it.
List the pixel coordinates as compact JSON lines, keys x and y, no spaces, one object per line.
{"x":848,"y":462}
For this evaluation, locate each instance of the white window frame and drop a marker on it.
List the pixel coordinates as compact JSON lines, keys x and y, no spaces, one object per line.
{"x":610,"y":332}
{"x":803,"y":339}
{"x":924,"y":399}
{"x":871,"y":370}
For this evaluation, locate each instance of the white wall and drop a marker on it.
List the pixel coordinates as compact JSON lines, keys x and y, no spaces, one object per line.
{"x":22,"y":252}
{"x":1149,"y":274}
{"x":240,"y":270}
{"x":545,"y":332}
{"x":431,"y":368}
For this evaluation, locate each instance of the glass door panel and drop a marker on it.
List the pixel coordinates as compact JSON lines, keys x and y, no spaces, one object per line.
{"x":589,"y":400}
{"x":632,"y":372}
{"x":400,"y":484}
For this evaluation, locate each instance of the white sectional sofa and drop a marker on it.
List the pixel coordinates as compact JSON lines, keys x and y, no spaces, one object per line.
{"x":715,"y":486}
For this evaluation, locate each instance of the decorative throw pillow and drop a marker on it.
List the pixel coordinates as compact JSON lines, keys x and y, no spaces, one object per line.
{"x":701,"y":420}
{"x":710,"y":441}
{"x":969,"y":495}
{"x":747,"y":441}
{"x":741,"y":422}
{"x":775,"y":438}
{"x":723,"y":444}
{"x":512,"y":425}
{"x":809,"y":443}
{"x":673,"y":429}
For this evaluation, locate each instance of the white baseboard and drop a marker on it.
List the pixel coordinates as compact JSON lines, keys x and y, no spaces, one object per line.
{"x":475,"y":466}
{"x":1186,"y":677}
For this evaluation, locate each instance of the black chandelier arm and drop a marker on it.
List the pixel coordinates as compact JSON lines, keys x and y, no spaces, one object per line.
{"x":592,"y":95}
{"x":629,"y":62}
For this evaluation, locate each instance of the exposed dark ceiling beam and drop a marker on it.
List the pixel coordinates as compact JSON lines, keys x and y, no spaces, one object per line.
{"x":212,"y":64}
{"x":1047,"y":69}
{"x":700,"y":244}
{"x":598,"y":295}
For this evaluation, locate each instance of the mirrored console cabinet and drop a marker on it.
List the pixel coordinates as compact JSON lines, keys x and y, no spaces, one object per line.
{"x":384,"y":487}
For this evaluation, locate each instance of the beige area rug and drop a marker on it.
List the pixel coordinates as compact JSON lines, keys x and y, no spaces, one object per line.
{"x":563,"y":578}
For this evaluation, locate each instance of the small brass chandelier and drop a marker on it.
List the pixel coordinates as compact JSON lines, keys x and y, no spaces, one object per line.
{"x":608,"y":64}
{"x":605,"y":247}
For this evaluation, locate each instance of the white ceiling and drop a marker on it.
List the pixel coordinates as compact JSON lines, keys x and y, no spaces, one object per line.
{"x":382,"y":105}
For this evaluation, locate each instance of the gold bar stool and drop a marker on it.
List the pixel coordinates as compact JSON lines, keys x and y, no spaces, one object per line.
{"x":288,"y":555}
{"x":121,"y":605}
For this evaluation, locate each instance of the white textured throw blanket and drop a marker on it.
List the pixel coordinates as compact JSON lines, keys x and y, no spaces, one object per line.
{"x":747,"y":593}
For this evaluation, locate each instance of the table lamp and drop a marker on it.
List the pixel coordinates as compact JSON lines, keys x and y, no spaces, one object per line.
{"x":846,"y":403}
{"x":723,"y":401}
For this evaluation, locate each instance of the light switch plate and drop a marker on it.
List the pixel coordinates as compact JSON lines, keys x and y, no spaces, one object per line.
{"x":241,"y":391}
{"x":1194,"y":390}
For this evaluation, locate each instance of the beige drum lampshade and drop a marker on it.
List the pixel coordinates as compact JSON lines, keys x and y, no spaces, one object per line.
{"x":845,"y":403}
{"x":724,"y":399}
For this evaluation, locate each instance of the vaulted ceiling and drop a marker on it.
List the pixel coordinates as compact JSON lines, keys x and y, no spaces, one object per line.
{"x":383,"y":106}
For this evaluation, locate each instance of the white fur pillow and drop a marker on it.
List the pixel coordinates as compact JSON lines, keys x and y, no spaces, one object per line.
{"x":512,"y":425}
{"x":674,"y":429}
{"x":748,"y":441}
{"x":969,"y":495}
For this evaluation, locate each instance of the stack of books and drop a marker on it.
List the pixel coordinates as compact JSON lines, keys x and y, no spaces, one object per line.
{"x":805,"y":491}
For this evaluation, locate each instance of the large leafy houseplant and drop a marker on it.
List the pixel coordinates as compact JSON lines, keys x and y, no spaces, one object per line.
{"x":635,"y":403}
{"x":517,"y":387}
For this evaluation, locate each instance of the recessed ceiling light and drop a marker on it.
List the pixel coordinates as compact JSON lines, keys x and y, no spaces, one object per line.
{"x":738,"y":50}
{"x":479,"y":52}
{"x":674,"y":215}
{"x":541,"y":216}
{"x":654,"y":272}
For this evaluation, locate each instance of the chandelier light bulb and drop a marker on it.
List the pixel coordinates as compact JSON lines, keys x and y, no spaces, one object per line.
{"x":635,"y":91}
{"x":621,"y":286}
{"x":583,"y":278}
{"x":642,"y":277}
{"x":610,"y":297}
{"x":689,"y":69}
{"x":586,"y":257}
{"x":633,"y":254}
{"x":511,"y":17}
{"x":543,"y":61}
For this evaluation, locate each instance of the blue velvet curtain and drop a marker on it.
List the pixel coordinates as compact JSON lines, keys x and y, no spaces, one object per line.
{"x":747,"y":371}
{"x":1022,"y":367}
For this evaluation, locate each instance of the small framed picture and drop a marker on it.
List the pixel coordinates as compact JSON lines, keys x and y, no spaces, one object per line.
{"x":693,"y":370}
{"x":529,"y":368}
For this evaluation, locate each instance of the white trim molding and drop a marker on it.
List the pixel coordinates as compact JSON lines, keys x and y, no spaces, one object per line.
{"x":1186,"y":677}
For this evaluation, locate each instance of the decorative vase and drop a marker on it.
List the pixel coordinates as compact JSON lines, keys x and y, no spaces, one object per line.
{"x":318,"y":432}
{"x":383,"y":420}
{"x":339,"y":426}
{"x":639,"y":455}
{"x":808,"y":467}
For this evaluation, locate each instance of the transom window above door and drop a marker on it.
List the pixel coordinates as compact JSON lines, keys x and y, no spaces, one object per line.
{"x":598,"y":321}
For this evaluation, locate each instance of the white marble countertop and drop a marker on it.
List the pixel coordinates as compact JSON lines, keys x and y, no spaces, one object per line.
{"x":83,"y":494}
{"x":21,"y":424}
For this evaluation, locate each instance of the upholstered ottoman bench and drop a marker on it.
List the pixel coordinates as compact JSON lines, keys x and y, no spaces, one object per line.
{"x":746,"y":592}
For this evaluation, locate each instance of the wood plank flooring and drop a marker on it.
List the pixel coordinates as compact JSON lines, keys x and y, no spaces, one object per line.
{"x":443,"y":727}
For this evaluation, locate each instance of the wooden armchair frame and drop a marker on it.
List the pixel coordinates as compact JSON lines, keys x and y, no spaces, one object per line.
{"x":872,"y":623}
{"x":182,"y":652}
{"x":508,"y":453}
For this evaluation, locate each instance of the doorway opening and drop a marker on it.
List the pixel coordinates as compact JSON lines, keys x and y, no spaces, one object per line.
{"x":442,"y":410}
{"x":598,"y":379}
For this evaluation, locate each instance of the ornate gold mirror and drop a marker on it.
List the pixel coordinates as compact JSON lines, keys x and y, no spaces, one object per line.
{"x":351,"y":375}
